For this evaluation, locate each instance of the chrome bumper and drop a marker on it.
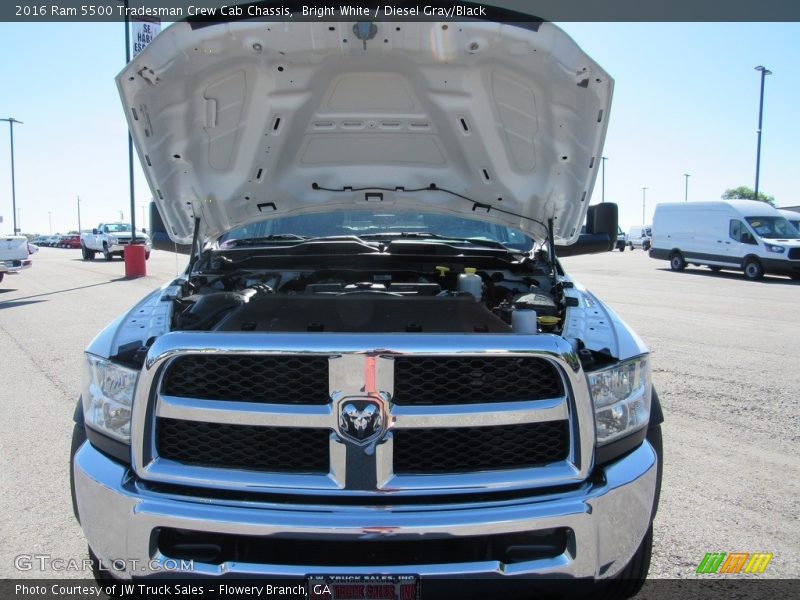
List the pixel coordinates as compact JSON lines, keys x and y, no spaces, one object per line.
{"x":120,"y":247}
{"x":14,"y":266}
{"x":607,"y":522}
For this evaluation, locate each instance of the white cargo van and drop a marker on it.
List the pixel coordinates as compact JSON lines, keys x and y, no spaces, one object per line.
{"x":744,"y":235}
{"x":792,"y":216}
{"x":639,"y":236}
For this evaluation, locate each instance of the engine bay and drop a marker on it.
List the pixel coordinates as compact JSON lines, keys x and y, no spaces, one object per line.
{"x":417,"y":297}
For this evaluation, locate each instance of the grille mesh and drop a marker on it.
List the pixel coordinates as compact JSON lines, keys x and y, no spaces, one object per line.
{"x":463,"y":449}
{"x":276,"y":449}
{"x":470,"y":380}
{"x":269,"y":379}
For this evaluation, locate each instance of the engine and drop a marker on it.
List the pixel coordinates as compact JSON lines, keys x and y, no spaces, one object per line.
{"x":447,"y":300}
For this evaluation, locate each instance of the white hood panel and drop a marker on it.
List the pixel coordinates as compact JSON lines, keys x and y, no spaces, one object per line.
{"x":235,"y":122}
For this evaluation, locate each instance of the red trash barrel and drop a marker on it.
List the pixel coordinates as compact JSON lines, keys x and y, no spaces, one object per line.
{"x":135,"y":263}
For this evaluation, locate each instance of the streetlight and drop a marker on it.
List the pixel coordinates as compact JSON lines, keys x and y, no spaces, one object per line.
{"x":644,"y":191}
{"x":764,"y":73}
{"x":11,"y":121}
{"x":603,"y":163}
{"x":79,"y":215}
{"x":686,"y":190}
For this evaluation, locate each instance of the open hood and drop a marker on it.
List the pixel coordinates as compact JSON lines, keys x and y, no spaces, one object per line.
{"x":242,"y":121}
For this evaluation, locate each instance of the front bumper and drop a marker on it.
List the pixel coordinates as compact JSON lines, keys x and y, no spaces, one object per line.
{"x":778,"y":266}
{"x":120,"y":247}
{"x":606,"y":522}
{"x":14,"y":266}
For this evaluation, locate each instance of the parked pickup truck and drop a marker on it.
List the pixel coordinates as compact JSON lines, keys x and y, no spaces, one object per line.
{"x":374,"y":366}
{"x":110,"y":239}
{"x":14,"y":254}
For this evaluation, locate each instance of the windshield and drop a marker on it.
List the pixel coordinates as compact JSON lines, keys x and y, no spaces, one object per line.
{"x":773,"y":228}
{"x":364,"y":223}
{"x":117,"y":227}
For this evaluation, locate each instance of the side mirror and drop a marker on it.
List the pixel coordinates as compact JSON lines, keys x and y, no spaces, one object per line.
{"x":159,"y":236}
{"x":94,"y":231}
{"x":600,"y":233}
{"x":144,"y":230}
{"x":603,"y":219}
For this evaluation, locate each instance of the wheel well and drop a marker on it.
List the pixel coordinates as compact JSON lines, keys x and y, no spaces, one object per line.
{"x":748,"y":257}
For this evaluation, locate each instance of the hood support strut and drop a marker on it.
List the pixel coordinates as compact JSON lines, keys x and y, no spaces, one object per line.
{"x":551,"y":249}
{"x":195,"y":245}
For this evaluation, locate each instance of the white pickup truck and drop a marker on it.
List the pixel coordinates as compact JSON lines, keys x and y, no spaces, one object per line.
{"x":111,"y":239}
{"x":14,"y":254}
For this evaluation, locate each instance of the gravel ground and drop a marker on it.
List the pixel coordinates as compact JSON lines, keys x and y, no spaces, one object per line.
{"x":724,"y":355}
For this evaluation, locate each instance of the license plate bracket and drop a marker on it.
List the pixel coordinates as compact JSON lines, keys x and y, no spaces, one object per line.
{"x":363,"y":587}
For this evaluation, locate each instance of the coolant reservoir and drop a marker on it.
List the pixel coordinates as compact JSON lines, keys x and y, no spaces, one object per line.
{"x":523,"y":320}
{"x":470,"y":282}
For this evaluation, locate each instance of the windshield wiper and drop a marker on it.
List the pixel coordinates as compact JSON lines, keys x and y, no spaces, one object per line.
{"x":281,"y":237}
{"x":435,"y":236}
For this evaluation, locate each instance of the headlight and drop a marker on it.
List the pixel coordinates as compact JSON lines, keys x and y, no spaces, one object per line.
{"x":107,"y":397}
{"x":112,"y":241}
{"x":621,"y":397}
{"x":775,"y":248}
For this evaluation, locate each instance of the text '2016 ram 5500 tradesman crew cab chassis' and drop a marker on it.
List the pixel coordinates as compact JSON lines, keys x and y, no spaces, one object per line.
{"x":374,"y":363}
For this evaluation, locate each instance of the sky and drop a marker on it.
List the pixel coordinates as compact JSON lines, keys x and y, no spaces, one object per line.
{"x":685,"y":100}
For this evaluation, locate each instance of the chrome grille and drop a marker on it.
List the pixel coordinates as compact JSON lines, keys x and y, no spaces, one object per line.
{"x":269,"y":379}
{"x":458,"y":449}
{"x":536,"y":430}
{"x":473,"y":380}
{"x":276,"y":449}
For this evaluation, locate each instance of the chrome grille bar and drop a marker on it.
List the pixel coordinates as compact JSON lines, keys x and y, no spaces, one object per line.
{"x":361,"y":365}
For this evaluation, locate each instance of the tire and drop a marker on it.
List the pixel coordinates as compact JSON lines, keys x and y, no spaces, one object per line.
{"x":630,"y":580}
{"x":147,"y":256}
{"x":78,"y":437}
{"x":753,"y":269}
{"x":106,"y":254}
{"x":676,"y":261}
{"x":86,"y":253}
{"x":656,"y":441}
{"x":622,"y":248}
{"x":715,"y":269}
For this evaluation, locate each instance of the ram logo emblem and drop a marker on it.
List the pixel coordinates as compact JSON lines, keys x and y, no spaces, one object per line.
{"x":361,"y":420}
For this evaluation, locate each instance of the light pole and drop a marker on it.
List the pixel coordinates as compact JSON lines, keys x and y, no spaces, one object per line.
{"x":79,"y":215}
{"x":11,"y":121}
{"x":764,"y":73}
{"x":130,"y":138}
{"x":686,"y":190}
{"x":644,"y":192}
{"x":603,"y":163}
{"x":143,"y":220}
{"x":19,"y":219}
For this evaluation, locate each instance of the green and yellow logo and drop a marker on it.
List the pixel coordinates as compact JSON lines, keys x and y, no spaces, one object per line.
{"x":734,"y":563}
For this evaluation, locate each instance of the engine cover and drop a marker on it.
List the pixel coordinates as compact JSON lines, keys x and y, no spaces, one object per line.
{"x":364,"y":312}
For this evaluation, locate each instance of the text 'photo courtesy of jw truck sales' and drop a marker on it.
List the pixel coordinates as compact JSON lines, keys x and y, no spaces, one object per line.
{"x":374,"y":364}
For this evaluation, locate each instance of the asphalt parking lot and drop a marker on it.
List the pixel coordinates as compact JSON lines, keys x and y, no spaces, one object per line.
{"x":725,"y":358}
